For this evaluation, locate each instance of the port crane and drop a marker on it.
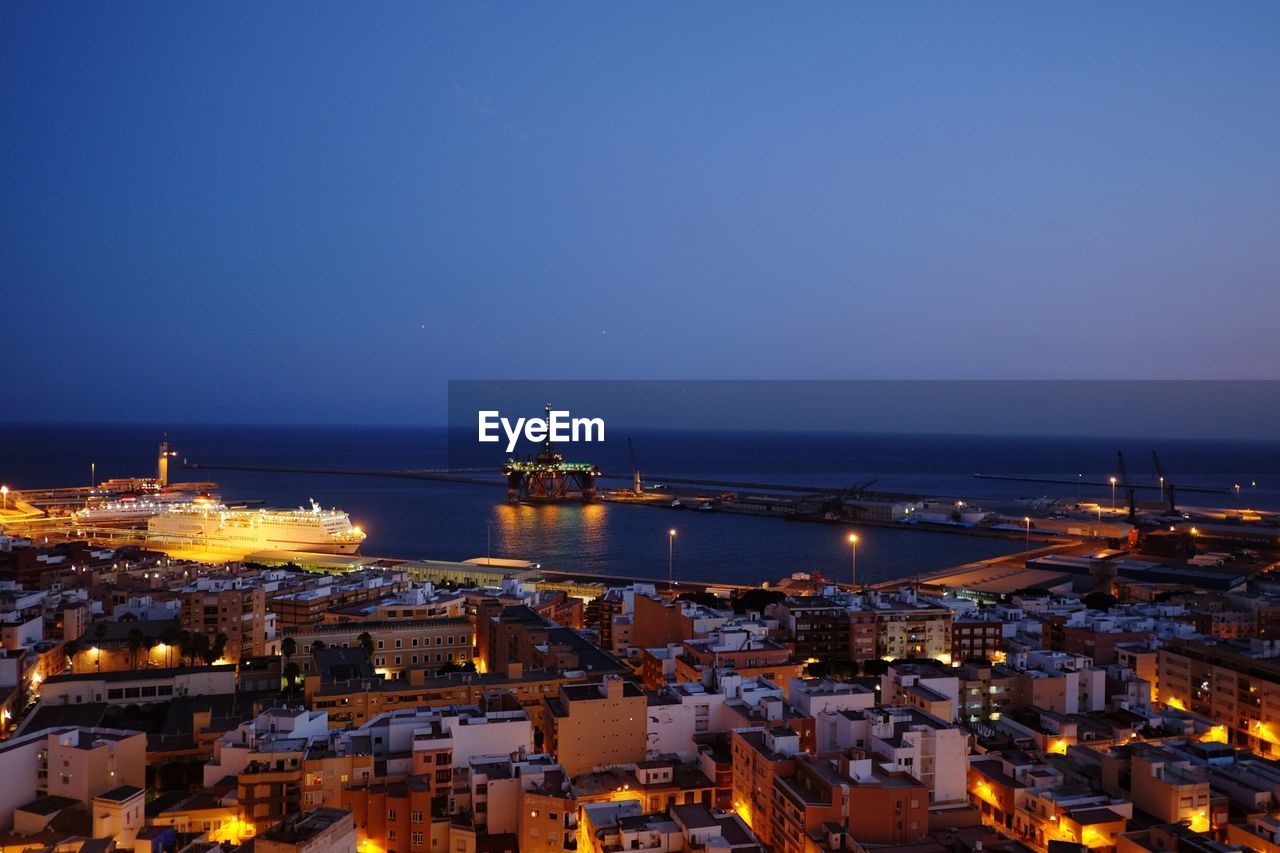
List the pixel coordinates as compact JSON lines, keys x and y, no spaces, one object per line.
{"x":1128,"y":489}
{"x":857,"y":491}
{"x":1167,"y":490}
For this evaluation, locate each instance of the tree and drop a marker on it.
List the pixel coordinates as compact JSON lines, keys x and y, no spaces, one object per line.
{"x":817,"y":669}
{"x":186,"y":647}
{"x":72,"y":648}
{"x":201,"y":649}
{"x":704,"y":598}
{"x":317,"y":646}
{"x":1103,"y":601}
{"x":100,"y":631}
{"x":292,"y":672}
{"x":219,"y":647}
{"x":137,"y":642}
{"x":875,"y":666}
{"x":453,"y":666}
{"x":756,"y":599}
{"x":366,"y":643}
{"x":288,"y":647}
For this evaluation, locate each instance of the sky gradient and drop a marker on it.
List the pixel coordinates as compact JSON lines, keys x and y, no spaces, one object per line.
{"x":321,"y":212}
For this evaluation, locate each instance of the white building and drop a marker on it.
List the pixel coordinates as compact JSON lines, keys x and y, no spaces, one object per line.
{"x":466,"y":731}
{"x":134,"y":687}
{"x":677,"y":713}
{"x":270,"y":731}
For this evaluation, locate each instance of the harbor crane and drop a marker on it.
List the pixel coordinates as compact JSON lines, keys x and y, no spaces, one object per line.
{"x":1132,"y":516}
{"x":1167,"y":490}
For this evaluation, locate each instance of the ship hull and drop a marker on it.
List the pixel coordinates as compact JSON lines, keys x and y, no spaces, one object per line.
{"x":247,"y":531}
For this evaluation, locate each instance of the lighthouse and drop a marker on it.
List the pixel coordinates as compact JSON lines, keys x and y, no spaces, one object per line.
{"x":162,"y":462}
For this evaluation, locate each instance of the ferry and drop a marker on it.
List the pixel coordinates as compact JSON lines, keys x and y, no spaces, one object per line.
{"x":132,"y":509}
{"x":215,"y":526}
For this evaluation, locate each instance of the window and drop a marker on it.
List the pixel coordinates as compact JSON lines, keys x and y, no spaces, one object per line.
{"x":391,"y":814}
{"x":415,"y":837}
{"x":415,"y":817}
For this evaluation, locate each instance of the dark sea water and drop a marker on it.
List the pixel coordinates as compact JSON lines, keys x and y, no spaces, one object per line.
{"x":421,"y":519}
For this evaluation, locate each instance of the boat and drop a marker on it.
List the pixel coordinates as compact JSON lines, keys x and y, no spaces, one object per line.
{"x":132,"y":509}
{"x":216,"y":526}
{"x":675,"y":504}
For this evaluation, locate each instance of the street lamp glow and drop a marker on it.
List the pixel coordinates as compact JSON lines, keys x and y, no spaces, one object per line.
{"x":671,"y":550}
{"x":4,"y":491}
{"x":853,"y":559}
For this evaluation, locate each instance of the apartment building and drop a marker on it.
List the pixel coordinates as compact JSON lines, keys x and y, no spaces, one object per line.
{"x":575,"y":720}
{"x":398,"y":645}
{"x":233,"y":607}
{"x":760,"y":757}
{"x":73,"y":763}
{"x":1235,"y":683}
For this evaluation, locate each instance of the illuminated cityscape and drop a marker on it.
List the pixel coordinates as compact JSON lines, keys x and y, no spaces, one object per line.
{"x":684,"y":427}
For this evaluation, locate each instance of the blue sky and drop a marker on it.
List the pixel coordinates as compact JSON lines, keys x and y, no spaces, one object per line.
{"x":322,"y":212}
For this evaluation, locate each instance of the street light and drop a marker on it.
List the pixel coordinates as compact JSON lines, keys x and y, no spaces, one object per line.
{"x":1026,"y":519}
{"x":853,"y":559}
{"x":671,"y":552}
{"x":1113,"y":492}
{"x":4,"y":491}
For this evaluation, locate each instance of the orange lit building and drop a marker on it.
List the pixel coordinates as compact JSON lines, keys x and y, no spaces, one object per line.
{"x":593,"y":725}
{"x":760,"y":756}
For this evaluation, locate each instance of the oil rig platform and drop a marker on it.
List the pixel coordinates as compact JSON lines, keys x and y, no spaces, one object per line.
{"x":547,"y":477}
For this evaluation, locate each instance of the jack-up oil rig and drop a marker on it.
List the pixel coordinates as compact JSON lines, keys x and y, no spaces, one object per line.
{"x":548,"y":477}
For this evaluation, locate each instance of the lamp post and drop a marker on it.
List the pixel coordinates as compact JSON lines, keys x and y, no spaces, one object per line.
{"x":1113,"y":492}
{"x":4,"y":491}
{"x":1026,"y":519}
{"x":488,"y":543}
{"x":671,"y":555}
{"x":853,"y":559}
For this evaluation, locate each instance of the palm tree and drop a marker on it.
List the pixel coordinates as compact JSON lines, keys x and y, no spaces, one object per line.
{"x":288,"y":647}
{"x":72,"y":648}
{"x":99,"y":634}
{"x":186,"y":647}
{"x":292,"y":672}
{"x":137,"y":642}
{"x":201,"y":649}
{"x":317,"y":646}
{"x":366,"y":643}
{"x":219,"y":647}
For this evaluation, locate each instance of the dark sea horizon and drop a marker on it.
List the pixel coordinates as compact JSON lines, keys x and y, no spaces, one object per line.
{"x":417,"y":519}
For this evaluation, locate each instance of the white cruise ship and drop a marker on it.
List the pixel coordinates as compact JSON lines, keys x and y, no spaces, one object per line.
{"x":133,"y":510}
{"x":215,"y":526}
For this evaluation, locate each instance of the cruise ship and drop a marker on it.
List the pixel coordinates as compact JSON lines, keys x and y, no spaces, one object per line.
{"x":132,"y":510}
{"x":215,"y":526}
